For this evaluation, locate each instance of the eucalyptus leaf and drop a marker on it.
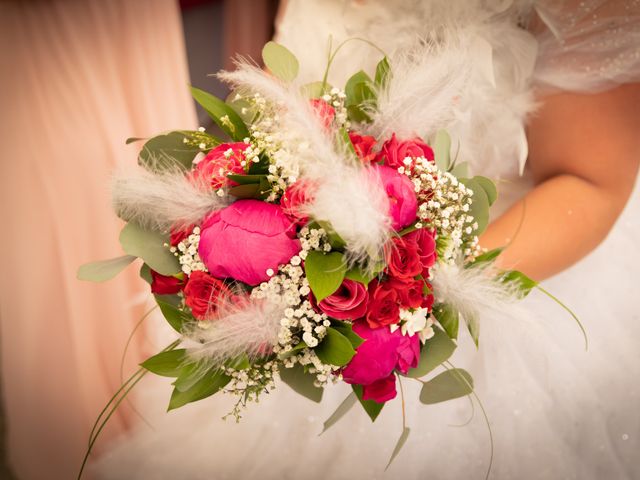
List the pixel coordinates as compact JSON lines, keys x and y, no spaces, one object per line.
{"x":167,"y":151}
{"x":480,"y":207}
{"x":473,"y":325}
{"x":301,"y":382}
{"x":150,"y":246}
{"x":442,"y":150}
{"x":435,"y":351}
{"x":399,"y":444}
{"x":454,"y":383}
{"x":210,"y":383}
{"x":315,"y":89}
{"x":325,"y":272}
{"x":372,"y":407}
{"x":449,"y":318}
{"x":145,"y":273}
{"x":489,"y":188}
{"x":335,"y":348}
{"x":460,"y":170}
{"x":346,"y":405}
{"x":104,"y":270}
{"x":280,"y":61}
{"x":221,"y":113}
{"x":166,"y":364}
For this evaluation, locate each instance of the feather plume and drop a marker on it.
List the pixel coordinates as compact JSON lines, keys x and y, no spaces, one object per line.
{"x":250,"y":328}
{"x":163,"y":200}
{"x":424,"y":90}
{"x":352,"y":202}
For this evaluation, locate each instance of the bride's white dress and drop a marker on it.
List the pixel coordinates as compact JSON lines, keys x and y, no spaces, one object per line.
{"x":555,"y":410}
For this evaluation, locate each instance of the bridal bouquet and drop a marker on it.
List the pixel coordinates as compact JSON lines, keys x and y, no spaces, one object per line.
{"x":323,"y":241}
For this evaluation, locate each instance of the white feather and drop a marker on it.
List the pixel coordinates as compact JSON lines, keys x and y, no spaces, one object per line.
{"x":251,"y":328}
{"x":163,"y":200}
{"x":353,"y":203}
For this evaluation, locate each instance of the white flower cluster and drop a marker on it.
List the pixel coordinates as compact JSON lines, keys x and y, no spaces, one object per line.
{"x":187,"y":253}
{"x":300,"y":323}
{"x":444,"y":204}
{"x":336,"y":98}
{"x":415,"y":321}
{"x":249,"y":383}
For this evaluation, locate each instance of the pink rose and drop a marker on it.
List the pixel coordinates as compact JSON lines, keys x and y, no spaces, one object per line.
{"x":381,"y":390}
{"x":245,"y":239}
{"x":384,"y":308}
{"x":325,"y":112}
{"x":403,"y":204}
{"x":403,"y":260}
{"x":363,"y":145}
{"x":394,"y":152}
{"x":217,"y":164}
{"x":408,"y":353}
{"x":295,"y":198}
{"x":349,"y":302}
{"x":426,"y":246}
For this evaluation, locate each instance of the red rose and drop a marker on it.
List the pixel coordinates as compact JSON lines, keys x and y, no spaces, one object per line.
{"x":410,"y":292}
{"x":394,"y":152}
{"x":202,"y":294}
{"x":403,"y":260}
{"x":381,"y":390}
{"x":363,"y":145}
{"x":325,"y":112}
{"x":295,"y":198}
{"x":223,"y":160}
{"x":163,"y":285}
{"x":178,"y":235}
{"x":384,"y":308}
{"x":426,"y":245}
{"x":349,"y":302}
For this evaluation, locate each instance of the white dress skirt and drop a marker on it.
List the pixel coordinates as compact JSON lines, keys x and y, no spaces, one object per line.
{"x":555,"y":410}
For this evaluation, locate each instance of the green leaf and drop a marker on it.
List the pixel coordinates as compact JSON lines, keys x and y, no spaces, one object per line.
{"x":301,"y":382}
{"x":460,"y":170}
{"x":150,"y":246}
{"x":524,"y":283}
{"x":454,"y":383}
{"x":245,"y":110}
{"x":335,"y":348}
{"x":133,"y":140}
{"x":350,"y":88}
{"x":449,"y":318}
{"x":325,"y":272}
{"x":145,"y":273}
{"x":372,"y":407}
{"x":473,"y":325}
{"x":442,"y":150}
{"x":480,"y":207}
{"x":166,"y":364}
{"x":340,"y":412}
{"x":399,"y":444}
{"x":315,"y":89}
{"x":489,"y":188}
{"x":241,"y":362}
{"x":357,"y":114}
{"x":246,"y":179}
{"x":105,"y":269}
{"x":189,"y":375}
{"x":293,"y":351}
{"x":358,"y":275}
{"x":346,"y":329}
{"x":383,"y":72}
{"x":173,"y":315}
{"x":435,"y":351}
{"x":167,"y":151}
{"x":486,"y":257}
{"x":280,"y":61}
{"x":251,"y":190}
{"x":210,"y":383}
{"x":221,"y":113}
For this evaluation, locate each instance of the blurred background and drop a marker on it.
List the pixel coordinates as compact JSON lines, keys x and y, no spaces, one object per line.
{"x":78,"y":77}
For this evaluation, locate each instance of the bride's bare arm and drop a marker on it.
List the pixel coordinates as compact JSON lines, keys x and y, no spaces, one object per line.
{"x":584,"y":152}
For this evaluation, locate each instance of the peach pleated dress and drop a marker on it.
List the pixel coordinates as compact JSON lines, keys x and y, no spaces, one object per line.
{"x":76,"y":79}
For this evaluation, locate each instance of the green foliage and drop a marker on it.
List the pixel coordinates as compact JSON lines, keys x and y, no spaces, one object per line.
{"x":448,"y":385}
{"x":150,"y":246}
{"x":209,"y":383}
{"x":245,"y":110}
{"x":473,"y":325}
{"x":346,"y":329}
{"x":459,"y":170}
{"x":360,"y":92}
{"x":250,"y":186}
{"x":449,"y":318}
{"x":280,"y":61}
{"x":383,"y":72}
{"x":442,"y":150}
{"x":358,"y":275}
{"x":105,"y":269}
{"x":166,"y":364}
{"x":301,"y":382}
{"x":335,"y":348}
{"x":372,"y":407}
{"x":489,"y":188}
{"x":524,"y":283}
{"x":145,"y":273}
{"x":340,"y":412}
{"x":293,"y":351}
{"x":435,"y":351}
{"x":325,"y":272}
{"x":168,"y":151}
{"x":221,"y":113}
{"x":172,"y":314}
{"x":399,"y":444}
{"x":487,"y":257}
{"x":480,"y":206}
{"x":315,"y":89}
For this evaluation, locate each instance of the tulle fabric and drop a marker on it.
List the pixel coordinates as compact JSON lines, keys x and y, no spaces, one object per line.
{"x":555,"y":410}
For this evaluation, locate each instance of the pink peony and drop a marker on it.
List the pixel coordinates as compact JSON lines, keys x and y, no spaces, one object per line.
{"x":349,"y":302}
{"x":381,"y":390}
{"x":408,"y":353}
{"x":245,"y":239}
{"x":403,"y":205}
{"x":394,"y":152}
{"x":223,"y":160}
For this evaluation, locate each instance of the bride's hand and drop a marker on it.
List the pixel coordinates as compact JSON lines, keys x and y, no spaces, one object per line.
{"x":584,"y":152}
